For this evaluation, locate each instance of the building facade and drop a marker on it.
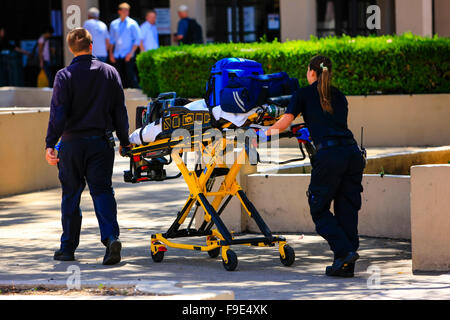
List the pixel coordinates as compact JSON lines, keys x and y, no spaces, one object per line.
{"x":256,"y":20}
{"x":239,"y":20}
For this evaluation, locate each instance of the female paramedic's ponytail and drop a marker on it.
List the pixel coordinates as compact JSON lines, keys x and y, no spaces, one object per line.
{"x":322,"y":66}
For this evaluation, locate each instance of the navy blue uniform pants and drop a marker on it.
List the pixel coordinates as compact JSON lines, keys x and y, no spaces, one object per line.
{"x":86,"y":160}
{"x":337,"y":175}
{"x":127,"y":71}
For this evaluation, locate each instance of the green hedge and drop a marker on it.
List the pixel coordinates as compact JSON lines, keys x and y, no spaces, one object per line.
{"x":361,"y":65}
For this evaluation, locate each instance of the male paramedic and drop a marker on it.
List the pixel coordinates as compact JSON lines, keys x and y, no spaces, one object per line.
{"x":87,"y":106}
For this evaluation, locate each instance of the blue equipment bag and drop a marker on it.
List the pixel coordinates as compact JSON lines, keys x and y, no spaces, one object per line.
{"x":223,"y":71}
{"x":245,"y":93}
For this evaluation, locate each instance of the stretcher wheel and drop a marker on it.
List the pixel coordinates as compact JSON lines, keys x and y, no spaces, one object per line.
{"x":289,"y":256}
{"x":158,"y":257}
{"x":214,"y":253}
{"x":232,"y":261}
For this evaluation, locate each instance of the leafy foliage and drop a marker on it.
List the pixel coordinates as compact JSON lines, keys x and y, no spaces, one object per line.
{"x":403,"y":64}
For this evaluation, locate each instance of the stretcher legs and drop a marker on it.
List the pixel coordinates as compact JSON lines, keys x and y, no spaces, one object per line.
{"x":218,"y":237}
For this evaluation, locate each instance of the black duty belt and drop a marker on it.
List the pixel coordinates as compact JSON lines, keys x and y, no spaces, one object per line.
{"x":334,"y":143}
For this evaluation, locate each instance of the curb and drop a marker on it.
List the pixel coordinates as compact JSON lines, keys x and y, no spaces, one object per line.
{"x":157,"y":290}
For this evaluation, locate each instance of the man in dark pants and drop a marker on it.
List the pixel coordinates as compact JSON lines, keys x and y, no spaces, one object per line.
{"x":87,"y":105}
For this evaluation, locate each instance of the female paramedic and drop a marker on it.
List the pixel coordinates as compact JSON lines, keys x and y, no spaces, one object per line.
{"x":337,"y":167}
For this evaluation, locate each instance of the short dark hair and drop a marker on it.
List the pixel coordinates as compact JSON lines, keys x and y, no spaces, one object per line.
{"x":150,"y":11}
{"x":79,"y":40}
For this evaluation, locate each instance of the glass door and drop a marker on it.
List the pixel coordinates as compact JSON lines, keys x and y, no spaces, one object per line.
{"x":254,"y":20}
{"x":338,"y":17}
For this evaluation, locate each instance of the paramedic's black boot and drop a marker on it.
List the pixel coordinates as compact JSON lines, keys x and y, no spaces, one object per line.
{"x":345,"y":272}
{"x":337,"y":269}
{"x":63,"y":256}
{"x":112,"y":254}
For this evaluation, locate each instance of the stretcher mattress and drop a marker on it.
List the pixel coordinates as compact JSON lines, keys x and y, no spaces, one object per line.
{"x":151,"y":131}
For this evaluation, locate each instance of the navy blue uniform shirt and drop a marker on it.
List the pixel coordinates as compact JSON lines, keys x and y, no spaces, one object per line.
{"x":87,"y":100}
{"x":322,"y":125}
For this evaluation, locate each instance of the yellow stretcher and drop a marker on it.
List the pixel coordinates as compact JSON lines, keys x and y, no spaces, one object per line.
{"x":200,"y":181}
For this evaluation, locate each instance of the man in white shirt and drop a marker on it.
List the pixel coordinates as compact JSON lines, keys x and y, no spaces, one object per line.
{"x":149,"y":32}
{"x":100,"y":34}
{"x":125,"y":38}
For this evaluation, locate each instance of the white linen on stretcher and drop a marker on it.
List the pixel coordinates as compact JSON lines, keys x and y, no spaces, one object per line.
{"x":151,"y":131}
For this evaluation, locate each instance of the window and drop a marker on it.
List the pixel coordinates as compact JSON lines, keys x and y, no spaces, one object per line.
{"x":338,"y":17}
{"x":254,"y":20}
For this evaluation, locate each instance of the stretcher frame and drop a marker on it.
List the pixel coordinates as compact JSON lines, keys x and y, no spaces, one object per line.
{"x":218,"y":237}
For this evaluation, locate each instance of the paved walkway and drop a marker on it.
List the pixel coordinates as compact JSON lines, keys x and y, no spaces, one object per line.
{"x":30,"y":230}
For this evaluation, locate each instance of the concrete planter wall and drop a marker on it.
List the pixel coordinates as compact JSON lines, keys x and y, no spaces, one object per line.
{"x":25,"y":97}
{"x":430,"y":217}
{"x":22,"y":162}
{"x":402,"y":207}
{"x":397,"y":163}
{"x":282,"y":202}
{"x":24,"y":114}
{"x":41,"y":98}
{"x":398,"y":120}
